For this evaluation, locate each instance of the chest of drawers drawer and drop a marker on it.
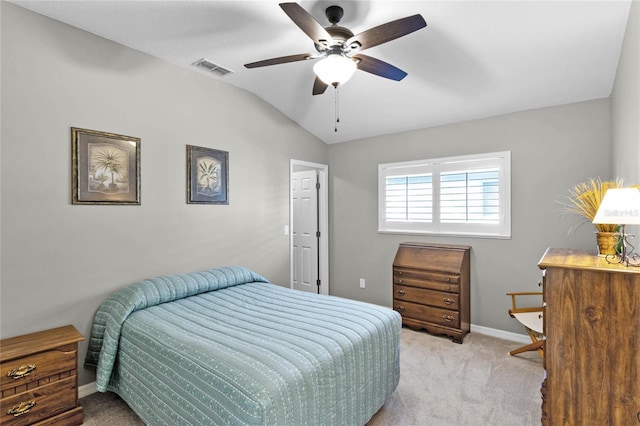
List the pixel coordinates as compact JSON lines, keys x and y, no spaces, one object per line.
{"x":449,"y":283}
{"x":39,"y":378}
{"x":427,"y":313}
{"x":426,"y":297}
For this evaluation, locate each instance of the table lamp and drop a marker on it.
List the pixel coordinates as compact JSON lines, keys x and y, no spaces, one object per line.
{"x":621,"y":206}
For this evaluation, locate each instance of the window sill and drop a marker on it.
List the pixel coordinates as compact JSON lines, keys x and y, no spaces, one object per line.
{"x":445,"y":234}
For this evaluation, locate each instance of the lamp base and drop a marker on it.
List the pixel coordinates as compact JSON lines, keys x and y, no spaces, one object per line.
{"x":624,"y":250}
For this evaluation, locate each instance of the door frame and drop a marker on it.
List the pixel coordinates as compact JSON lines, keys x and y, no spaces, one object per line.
{"x":323,"y":208}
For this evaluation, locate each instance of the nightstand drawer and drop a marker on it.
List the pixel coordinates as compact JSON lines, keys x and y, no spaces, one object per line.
{"x":427,"y":313}
{"x":39,"y":404}
{"x":20,"y":372}
{"x":426,"y":297}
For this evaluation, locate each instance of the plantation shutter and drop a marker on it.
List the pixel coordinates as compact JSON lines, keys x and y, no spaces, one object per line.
{"x":466,"y":195}
{"x":471,"y":197}
{"x":409,"y":198}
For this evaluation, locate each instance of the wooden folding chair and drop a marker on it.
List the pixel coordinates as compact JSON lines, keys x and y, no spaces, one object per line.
{"x":532,"y":320}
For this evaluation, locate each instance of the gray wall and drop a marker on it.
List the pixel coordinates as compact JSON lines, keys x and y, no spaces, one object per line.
{"x":59,"y":261}
{"x":551,"y":150}
{"x":625,"y":103}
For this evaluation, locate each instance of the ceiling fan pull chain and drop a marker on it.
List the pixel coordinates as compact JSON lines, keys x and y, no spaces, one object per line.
{"x":336,"y":109}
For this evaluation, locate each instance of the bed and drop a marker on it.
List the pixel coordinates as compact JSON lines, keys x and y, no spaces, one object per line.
{"x":226,"y":347}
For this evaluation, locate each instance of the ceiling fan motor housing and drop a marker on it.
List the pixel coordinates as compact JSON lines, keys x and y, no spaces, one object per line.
{"x":338,"y":36}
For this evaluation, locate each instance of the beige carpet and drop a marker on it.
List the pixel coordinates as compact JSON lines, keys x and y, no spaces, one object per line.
{"x":441,"y":384}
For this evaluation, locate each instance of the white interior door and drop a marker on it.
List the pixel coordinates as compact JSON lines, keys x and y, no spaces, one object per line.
{"x":304,"y":200}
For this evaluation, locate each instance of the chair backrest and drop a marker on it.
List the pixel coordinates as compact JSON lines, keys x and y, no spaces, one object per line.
{"x":530,"y":316}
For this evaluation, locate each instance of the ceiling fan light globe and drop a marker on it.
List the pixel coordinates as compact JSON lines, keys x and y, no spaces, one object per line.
{"x":335,"y":69}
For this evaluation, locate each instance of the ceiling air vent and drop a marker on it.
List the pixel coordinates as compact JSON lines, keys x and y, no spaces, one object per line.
{"x":207,"y":65}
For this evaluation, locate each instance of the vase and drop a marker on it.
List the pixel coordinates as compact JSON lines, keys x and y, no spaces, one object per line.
{"x":607,"y":242}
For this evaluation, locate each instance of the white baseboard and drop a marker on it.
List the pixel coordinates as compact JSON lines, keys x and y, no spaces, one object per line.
{"x":89,"y":388}
{"x":500,"y":334}
{"x":86,"y":390}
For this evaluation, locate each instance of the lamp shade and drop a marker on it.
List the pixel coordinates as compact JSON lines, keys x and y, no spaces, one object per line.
{"x":620,"y":206}
{"x":335,"y":69}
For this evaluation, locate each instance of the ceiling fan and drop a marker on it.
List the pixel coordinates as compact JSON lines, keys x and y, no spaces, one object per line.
{"x":340,"y":48}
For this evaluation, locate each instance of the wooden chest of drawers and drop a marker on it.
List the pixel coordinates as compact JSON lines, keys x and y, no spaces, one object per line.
{"x":39,"y":381}
{"x":431,"y":288}
{"x":592,"y":346}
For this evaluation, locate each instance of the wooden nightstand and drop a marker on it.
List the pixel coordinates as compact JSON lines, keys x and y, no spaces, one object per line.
{"x":39,"y":380}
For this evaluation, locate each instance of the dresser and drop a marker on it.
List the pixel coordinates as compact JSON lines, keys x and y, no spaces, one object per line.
{"x":592,"y":348}
{"x":431,"y":288}
{"x":39,"y":381}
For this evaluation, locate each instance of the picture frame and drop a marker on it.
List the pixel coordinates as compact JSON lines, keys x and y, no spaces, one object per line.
{"x":106,"y":168}
{"x":207,"y":175}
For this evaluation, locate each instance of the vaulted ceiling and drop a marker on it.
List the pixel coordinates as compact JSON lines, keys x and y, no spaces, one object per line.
{"x":474,"y":59}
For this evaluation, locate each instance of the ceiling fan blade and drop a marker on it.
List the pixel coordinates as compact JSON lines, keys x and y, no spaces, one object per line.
{"x":379,"y":68}
{"x":387,"y":32}
{"x":307,"y":23}
{"x":280,"y":60}
{"x":319,"y":87}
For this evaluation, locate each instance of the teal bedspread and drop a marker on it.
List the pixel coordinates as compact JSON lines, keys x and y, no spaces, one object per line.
{"x":225,"y":347}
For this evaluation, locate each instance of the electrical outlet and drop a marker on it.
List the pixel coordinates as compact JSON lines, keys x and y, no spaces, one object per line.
{"x":361,"y":282}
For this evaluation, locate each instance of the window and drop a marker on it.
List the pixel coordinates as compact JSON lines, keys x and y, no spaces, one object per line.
{"x":467,"y":195}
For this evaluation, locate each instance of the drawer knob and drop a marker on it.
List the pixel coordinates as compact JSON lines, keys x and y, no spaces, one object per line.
{"x":448,"y":280}
{"x":402,"y":292}
{"x":22,"y":408}
{"x":400,"y":309}
{"x":400,"y":281}
{"x":22,"y":371}
{"x":448,"y":300}
{"x":447,"y":318}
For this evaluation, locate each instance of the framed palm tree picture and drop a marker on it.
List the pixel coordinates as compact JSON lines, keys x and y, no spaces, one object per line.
{"x":106,"y":168}
{"x":207,"y":176}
